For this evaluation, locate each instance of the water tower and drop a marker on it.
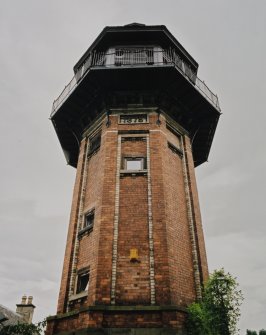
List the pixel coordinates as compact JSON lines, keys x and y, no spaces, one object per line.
{"x":134,"y":121}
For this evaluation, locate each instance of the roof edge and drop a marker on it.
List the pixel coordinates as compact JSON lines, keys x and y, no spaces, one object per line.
{"x":136,"y":28}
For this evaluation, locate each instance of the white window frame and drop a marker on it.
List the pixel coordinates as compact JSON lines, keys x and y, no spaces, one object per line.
{"x":130,"y":158}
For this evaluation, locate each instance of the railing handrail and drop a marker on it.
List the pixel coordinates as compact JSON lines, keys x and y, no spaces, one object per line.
{"x":133,"y":57}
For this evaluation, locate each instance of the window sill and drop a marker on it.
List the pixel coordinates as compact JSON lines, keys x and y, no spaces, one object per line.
{"x":124,"y":173}
{"x":85,"y":231}
{"x":78,"y":296}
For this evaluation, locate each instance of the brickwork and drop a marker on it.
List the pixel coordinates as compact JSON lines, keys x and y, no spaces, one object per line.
{"x":161,"y":268}
{"x":89,"y":243}
{"x":167,"y":319}
{"x":180,"y":260}
{"x":62,"y":300}
{"x":196,"y":212}
{"x":150,"y":225}
{"x":78,"y":225}
{"x":133,"y":285}
{"x":106,"y":236}
{"x":191,"y":224}
{"x":155,"y":211}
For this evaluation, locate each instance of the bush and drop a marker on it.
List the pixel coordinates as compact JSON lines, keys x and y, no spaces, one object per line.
{"x":23,"y":329}
{"x":219,"y":310}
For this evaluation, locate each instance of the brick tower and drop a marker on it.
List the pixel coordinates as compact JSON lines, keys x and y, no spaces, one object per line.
{"x":135,"y":120}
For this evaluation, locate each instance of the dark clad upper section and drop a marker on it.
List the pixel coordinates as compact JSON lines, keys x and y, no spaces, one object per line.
{"x":143,"y":61}
{"x":133,"y":34}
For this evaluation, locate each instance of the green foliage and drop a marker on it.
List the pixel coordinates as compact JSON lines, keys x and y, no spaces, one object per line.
{"x":196,"y":322}
{"x":251,"y":332}
{"x":23,"y":329}
{"x":222,"y":299}
{"x":219,"y":310}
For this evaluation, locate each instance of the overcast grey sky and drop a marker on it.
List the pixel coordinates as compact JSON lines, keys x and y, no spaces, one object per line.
{"x":40,"y":42}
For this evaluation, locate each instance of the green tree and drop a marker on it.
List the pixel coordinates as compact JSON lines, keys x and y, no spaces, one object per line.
{"x":197,"y":321}
{"x":23,"y":329}
{"x":253,"y":332}
{"x":219,"y":310}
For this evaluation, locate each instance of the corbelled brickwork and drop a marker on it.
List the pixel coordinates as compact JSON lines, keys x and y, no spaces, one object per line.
{"x":153,"y":210}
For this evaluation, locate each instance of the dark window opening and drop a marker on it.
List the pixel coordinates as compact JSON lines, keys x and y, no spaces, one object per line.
{"x":95,"y":143}
{"x":89,"y":220}
{"x":83,"y":281}
{"x":87,"y":224}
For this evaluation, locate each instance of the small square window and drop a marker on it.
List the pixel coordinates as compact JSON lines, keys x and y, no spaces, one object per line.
{"x":83,"y":281}
{"x":89,"y":220}
{"x":134,"y":163}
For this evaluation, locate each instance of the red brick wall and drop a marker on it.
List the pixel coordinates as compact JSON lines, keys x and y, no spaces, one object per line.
{"x":61,"y":308}
{"x":133,"y":285}
{"x":178,"y":239}
{"x":107,"y":200}
{"x":118,"y":319}
{"x":162,"y":279}
{"x":174,"y":278}
{"x":196,"y":212}
{"x":89,"y":243}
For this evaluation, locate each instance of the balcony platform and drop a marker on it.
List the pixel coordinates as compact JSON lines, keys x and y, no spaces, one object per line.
{"x":175,"y":87}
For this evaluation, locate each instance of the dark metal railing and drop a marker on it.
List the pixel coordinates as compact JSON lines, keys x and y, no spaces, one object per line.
{"x":135,"y":57}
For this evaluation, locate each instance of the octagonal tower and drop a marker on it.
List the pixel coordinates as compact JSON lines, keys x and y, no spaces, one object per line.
{"x":135,"y":120}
